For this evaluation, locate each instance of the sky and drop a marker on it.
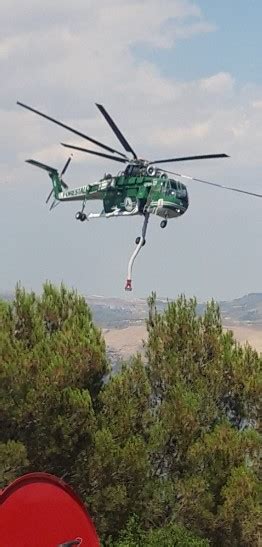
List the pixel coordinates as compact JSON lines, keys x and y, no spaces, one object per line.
{"x":179,"y":77}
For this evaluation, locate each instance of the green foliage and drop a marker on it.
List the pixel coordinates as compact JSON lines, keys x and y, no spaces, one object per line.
{"x":240,"y":510}
{"x":171,"y":535}
{"x":119,"y":465}
{"x":52,"y":368}
{"x":166,"y":452}
{"x":13,"y":461}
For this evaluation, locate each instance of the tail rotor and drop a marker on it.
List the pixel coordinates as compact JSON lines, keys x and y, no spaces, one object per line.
{"x":63,"y":184}
{"x":57,"y":180}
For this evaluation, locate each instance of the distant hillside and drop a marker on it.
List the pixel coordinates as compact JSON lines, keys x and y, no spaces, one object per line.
{"x":6,"y":296}
{"x":119,"y":312}
{"x":247,"y":309}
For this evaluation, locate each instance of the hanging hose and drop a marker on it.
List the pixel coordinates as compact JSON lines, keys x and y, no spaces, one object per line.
{"x":128,"y":286}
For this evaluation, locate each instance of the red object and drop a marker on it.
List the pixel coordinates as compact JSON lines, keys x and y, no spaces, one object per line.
{"x":128,"y":286}
{"x":40,"y":510}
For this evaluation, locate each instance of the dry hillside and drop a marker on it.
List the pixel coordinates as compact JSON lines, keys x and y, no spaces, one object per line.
{"x":125,"y":342}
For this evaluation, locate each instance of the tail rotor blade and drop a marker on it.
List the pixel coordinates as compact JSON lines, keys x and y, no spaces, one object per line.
{"x":54,"y":204}
{"x":65,"y":166}
{"x":49,"y":195}
{"x":63,"y":172}
{"x":64,"y":184}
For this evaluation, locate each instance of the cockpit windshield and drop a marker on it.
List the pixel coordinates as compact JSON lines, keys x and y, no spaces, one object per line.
{"x":177,"y":187}
{"x":133,"y":171}
{"x":174,"y":184}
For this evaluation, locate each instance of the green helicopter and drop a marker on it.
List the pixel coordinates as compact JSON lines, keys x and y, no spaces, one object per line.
{"x":140,"y":188}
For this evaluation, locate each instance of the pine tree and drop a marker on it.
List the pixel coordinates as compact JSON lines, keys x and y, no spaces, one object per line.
{"x":52,"y":367}
{"x":166,"y":452}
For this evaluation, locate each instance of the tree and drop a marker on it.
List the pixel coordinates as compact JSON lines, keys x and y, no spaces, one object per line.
{"x":171,"y":535}
{"x":13,"y":461}
{"x":166,"y":452}
{"x":193,"y":409}
{"x":118,"y":468}
{"x":239,"y":516}
{"x":205,"y":399}
{"x":52,"y":367}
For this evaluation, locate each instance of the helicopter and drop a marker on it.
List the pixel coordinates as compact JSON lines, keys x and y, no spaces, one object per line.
{"x":142,"y":187}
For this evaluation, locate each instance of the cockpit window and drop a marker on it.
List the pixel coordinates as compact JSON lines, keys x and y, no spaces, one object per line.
{"x":174,"y":184}
{"x":177,"y":188}
{"x":133,"y":170}
{"x":136,"y":171}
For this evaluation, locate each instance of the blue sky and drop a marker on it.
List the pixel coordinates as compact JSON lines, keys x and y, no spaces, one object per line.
{"x":235,"y":46}
{"x":179,"y":77}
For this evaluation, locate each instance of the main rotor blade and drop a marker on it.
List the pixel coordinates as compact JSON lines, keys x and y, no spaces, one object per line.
{"x":189,"y":158}
{"x":215,"y":184}
{"x":75,"y":131}
{"x":121,"y":160}
{"x":117,"y":132}
{"x":65,"y":166}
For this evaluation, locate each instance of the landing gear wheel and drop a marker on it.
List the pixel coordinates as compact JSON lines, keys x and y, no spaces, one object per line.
{"x":137,"y":241}
{"x":163,"y":223}
{"x":81,"y":216}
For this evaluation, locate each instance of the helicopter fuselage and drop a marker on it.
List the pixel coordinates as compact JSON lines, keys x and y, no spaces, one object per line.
{"x":156,"y":193}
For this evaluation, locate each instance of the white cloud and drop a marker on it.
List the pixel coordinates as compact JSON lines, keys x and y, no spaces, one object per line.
{"x":257,"y":104}
{"x":62,"y":57}
{"x":218,"y":83}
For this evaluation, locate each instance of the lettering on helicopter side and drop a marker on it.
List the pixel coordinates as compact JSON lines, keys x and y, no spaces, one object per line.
{"x":76,"y":191}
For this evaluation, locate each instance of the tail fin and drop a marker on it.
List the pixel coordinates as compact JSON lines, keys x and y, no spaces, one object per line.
{"x":56,"y":177}
{"x":50,"y":170}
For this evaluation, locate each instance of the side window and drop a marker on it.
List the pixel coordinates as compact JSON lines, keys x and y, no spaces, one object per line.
{"x":157,"y":186}
{"x":166,"y":187}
